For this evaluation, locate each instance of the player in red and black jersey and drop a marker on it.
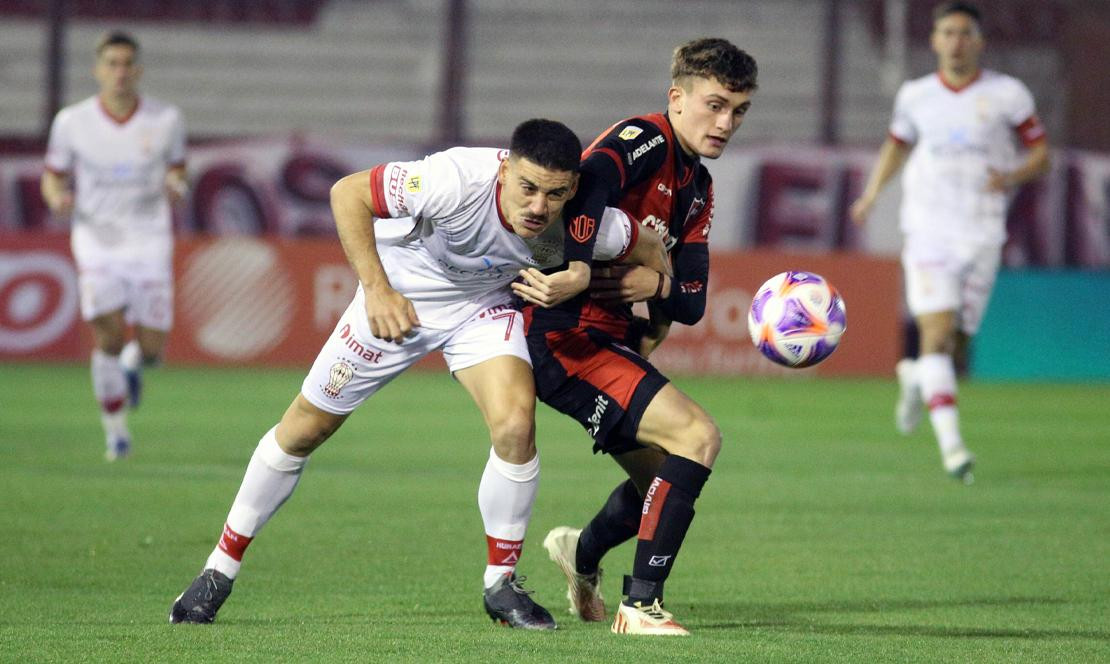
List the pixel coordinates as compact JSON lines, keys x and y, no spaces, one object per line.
{"x":589,"y":354}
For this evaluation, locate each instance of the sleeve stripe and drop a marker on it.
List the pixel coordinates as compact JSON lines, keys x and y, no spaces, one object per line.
{"x":1031,"y":131}
{"x":609,"y":152}
{"x":897,"y":139}
{"x":377,"y":191}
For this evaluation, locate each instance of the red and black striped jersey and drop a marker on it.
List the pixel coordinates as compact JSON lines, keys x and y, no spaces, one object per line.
{"x":639,"y":166}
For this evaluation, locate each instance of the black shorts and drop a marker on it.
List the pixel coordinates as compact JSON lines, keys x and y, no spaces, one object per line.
{"x":587,"y":374}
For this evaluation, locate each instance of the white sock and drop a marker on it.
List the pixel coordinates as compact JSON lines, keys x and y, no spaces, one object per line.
{"x":937,"y":375}
{"x":110,"y":390}
{"x":505,"y":499}
{"x":131,"y":357}
{"x":269,"y":481}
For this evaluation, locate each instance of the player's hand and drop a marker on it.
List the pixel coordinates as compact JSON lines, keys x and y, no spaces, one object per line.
{"x":176,"y":189}
{"x":997,"y":181}
{"x":392,"y":316}
{"x":549,"y":290}
{"x":624,"y":283}
{"x":860,"y":209}
{"x":62,"y":206}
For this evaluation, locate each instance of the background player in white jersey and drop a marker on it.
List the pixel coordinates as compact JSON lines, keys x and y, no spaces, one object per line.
{"x":479,"y":216}
{"x":115,"y":162}
{"x":957,"y":129}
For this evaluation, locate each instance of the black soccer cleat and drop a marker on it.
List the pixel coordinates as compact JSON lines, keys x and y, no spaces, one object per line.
{"x":202,"y":599}
{"x":508,"y":603}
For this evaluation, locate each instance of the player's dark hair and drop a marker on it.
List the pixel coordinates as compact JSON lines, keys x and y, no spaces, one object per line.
{"x":547,"y":143}
{"x":966,"y":8}
{"x":116,"y":38}
{"x":710,"y":57}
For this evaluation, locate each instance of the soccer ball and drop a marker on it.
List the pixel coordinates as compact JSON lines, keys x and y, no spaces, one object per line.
{"x":796,"y":319}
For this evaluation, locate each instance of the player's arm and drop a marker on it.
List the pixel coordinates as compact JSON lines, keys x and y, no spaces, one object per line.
{"x":57,"y":192}
{"x":177,"y":186}
{"x":643,"y":275}
{"x":1036,"y":164}
{"x":390,"y":314}
{"x":892,"y":155}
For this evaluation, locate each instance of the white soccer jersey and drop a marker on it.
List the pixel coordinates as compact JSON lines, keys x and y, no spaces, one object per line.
{"x":460,"y":248}
{"x":958,"y":135}
{"x":119,"y":167}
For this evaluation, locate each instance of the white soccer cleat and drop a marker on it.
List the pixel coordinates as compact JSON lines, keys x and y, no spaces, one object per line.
{"x":910,"y":406}
{"x":583,"y":591}
{"x":649,"y":621}
{"x":959,"y":465}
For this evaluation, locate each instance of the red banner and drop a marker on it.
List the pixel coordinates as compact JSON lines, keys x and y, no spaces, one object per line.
{"x":251,"y":301}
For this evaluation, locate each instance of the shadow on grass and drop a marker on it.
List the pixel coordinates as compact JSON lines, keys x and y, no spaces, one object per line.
{"x":791,"y":617}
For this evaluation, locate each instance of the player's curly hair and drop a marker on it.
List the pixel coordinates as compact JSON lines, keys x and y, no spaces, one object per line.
{"x":547,"y":143}
{"x":711,"y":57}
{"x":116,"y":38}
{"x":945,"y":8}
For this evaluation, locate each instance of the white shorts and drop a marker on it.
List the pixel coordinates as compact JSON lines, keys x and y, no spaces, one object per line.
{"x":353,"y":365}
{"x":136,"y":276}
{"x":950,"y":277}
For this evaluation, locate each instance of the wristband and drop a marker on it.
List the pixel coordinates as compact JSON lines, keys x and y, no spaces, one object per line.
{"x":659,"y":288}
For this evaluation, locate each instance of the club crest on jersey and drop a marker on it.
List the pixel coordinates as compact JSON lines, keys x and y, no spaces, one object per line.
{"x":339,"y":375}
{"x":629,"y":133}
{"x":412,"y":185}
{"x":582,"y":228}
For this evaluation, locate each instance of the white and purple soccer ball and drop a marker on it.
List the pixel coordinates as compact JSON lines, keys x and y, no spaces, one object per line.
{"x":796,"y":319}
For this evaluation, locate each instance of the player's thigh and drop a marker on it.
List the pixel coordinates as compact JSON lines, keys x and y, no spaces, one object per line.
{"x":304,"y":427}
{"x":102,"y":292}
{"x":353,"y":365}
{"x":676,"y":423}
{"x":641,"y":465}
{"x":932,"y":277}
{"x":108,"y":331}
{"x":596,"y":380}
{"x":488,"y":355}
{"x":152,"y":341}
{"x":150,"y":301}
{"x":980,"y":273}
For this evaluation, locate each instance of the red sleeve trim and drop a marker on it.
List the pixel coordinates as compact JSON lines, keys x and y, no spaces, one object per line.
{"x":635,"y":237}
{"x":612,"y":154}
{"x":1031,"y":131}
{"x":897,"y":139}
{"x":377,"y":192}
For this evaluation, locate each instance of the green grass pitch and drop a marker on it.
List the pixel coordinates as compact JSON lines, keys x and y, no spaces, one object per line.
{"x":822,"y":536}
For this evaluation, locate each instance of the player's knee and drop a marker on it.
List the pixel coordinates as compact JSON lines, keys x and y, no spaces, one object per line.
{"x":512,"y":433}
{"x":699,"y":440}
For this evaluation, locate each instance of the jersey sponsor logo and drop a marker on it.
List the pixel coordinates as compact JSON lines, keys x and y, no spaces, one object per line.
{"x":665,"y":189}
{"x":582,"y":228}
{"x":397,"y":175}
{"x":412,"y":184}
{"x":339,"y":375}
{"x":660,"y":226}
{"x":643,"y":149}
{"x":695,"y":286}
{"x":357,"y":348}
{"x":629,"y":133}
{"x":594,"y":423}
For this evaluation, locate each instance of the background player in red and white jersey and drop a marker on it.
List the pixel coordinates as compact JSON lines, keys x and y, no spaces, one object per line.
{"x":957,"y":129}
{"x":116,"y":162}
{"x":589,"y":354}
{"x":478,"y":216}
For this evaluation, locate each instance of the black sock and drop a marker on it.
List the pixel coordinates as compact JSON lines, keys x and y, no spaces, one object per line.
{"x":667,"y":511}
{"x":617,"y":522}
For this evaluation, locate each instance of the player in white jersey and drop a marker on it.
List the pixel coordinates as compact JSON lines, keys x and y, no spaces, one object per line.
{"x":114,"y":163}
{"x":957,"y":129}
{"x":479,"y":219}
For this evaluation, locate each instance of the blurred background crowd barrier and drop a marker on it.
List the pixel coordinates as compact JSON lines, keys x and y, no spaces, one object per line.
{"x":283,"y":97}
